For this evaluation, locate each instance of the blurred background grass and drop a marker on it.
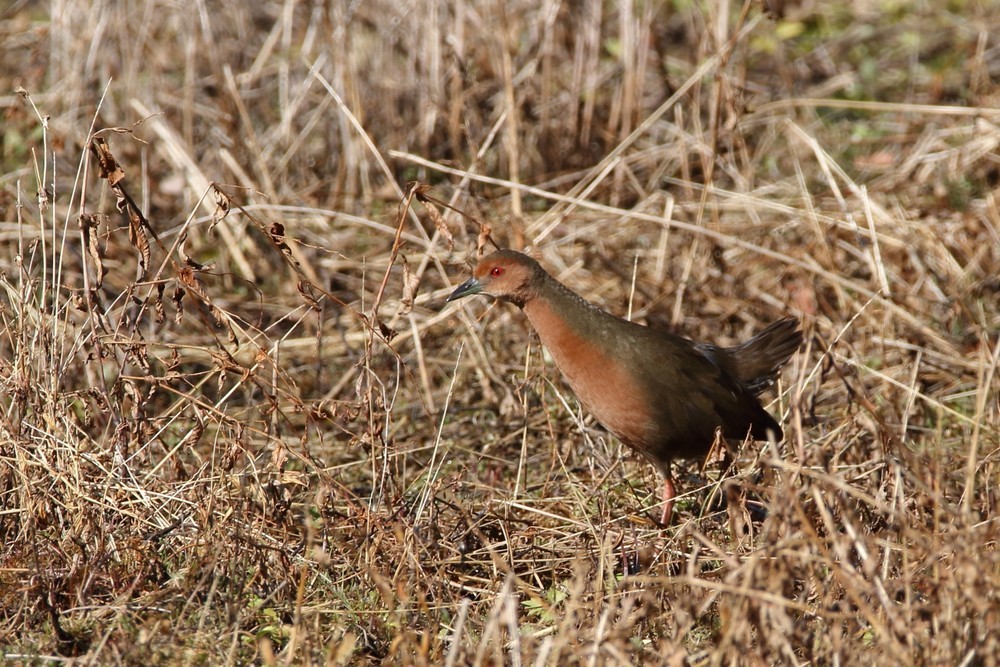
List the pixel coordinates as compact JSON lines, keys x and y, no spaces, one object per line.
{"x":239,"y":425}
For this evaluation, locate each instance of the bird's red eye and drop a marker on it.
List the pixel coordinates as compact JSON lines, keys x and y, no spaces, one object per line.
{"x":496,"y":271}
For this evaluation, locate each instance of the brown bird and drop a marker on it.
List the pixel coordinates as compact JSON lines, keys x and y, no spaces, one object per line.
{"x":661,"y":394}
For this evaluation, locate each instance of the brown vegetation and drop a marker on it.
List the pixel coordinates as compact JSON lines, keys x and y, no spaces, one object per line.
{"x":239,"y":425}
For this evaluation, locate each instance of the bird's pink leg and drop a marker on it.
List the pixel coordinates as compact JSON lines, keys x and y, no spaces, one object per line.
{"x":668,"y":499}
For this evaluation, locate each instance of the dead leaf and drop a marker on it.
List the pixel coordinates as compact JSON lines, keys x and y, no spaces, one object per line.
{"x":109,"y":168}
{"x":279,"y":456}
{"x":439,"y":223}
{"x":483,"y":238}
{"x":410,"y":283}
{"x":182,"y":251}
{"x":137,"y":223}
{"x":276,"y":232}
{"x":178,"y":300}
{"x":222,"y":205}
{"x":387,"y":332}
{"x":160,"y":315}
{"x":303,"y":287}
{"x":88,"y":227}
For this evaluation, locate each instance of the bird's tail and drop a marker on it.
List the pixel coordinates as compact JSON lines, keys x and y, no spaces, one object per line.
{"x":757,"y":361}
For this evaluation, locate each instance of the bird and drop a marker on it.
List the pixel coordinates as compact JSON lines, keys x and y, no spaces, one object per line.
{"x":664,"y":396}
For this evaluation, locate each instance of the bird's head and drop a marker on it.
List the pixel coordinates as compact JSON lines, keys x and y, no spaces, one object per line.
{"x":505,"y":274}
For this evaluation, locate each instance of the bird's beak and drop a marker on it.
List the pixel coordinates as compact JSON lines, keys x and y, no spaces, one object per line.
{"x":470,"y":286}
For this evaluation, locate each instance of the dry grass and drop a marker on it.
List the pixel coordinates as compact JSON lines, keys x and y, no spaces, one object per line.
{"x":239,"y":425}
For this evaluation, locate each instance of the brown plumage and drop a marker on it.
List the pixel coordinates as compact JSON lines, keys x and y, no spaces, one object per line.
{"x":661,"y":394}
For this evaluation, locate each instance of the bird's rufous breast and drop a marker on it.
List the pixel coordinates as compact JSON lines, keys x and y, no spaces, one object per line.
{"x":600,"y":380}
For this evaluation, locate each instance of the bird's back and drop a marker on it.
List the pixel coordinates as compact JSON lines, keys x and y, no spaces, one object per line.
{"x":692,"y":395}
{"x":662,"y":394}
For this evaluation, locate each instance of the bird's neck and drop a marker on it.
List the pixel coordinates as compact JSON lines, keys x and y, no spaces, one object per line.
{"x":560,"y":316}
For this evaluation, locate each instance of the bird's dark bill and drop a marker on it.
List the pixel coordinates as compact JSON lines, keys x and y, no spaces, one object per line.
{"x":470,"y":286}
